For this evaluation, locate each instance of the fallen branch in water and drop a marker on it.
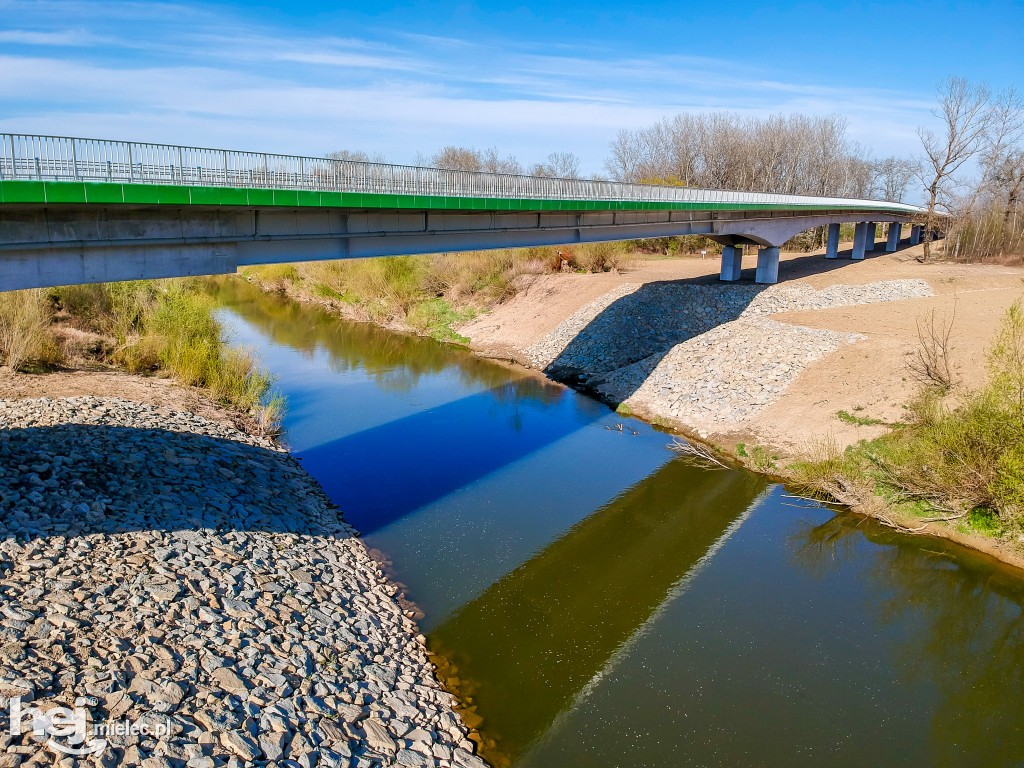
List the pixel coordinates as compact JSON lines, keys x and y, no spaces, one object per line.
{"x":924,"y":522}
{"x":697,"y":453}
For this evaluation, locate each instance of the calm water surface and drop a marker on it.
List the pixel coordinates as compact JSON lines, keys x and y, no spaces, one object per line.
{"x":596,"y":601}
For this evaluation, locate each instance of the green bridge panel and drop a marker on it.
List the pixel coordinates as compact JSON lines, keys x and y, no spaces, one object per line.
{"x":99,"y":193}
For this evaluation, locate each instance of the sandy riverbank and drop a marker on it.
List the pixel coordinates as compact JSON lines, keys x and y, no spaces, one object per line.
{"x":175,"y":571}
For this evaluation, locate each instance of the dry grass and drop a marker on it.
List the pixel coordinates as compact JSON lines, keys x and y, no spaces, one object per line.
{"x":25,"y":337}
{"x":166,"y":327}
{"x":429,"y":293}
{"x":988,"y":235}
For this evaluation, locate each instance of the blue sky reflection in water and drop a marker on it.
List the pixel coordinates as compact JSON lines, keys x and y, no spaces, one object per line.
{"x":604,"y":604}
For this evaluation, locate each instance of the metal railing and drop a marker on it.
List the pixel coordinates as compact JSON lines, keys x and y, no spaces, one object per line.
{"x":55,"y":158}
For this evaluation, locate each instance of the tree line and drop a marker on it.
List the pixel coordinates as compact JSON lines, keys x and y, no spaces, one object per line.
{"x":561,"y":165}
{"x":969,"y":175}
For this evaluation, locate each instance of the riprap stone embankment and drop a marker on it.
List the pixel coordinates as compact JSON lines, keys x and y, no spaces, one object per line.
{"x":169,"y":569}
{"x":708,"y":357}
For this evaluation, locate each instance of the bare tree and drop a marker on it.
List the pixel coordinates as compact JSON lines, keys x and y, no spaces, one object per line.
{"x":452,"y":158}
{"x":1005,"y":131}
{"x":892,"y":177}
{"x":491,"y":162}
{"x":966,"y":116}
{"x":796,"y":154}
{"x":355,"y":156}
{"x":1006,"y":184}
{"x":559,"y":165}
{"x":455,"y":158}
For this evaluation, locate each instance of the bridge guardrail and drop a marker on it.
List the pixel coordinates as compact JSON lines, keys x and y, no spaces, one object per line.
{"x":57,"y":158}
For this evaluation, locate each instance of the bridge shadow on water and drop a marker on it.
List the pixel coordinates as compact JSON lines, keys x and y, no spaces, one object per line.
{"x":384,"y":473}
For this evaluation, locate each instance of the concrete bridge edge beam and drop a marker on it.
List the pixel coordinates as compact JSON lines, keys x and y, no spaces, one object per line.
{"x":767,"y":266}
{"x":832,"y":244}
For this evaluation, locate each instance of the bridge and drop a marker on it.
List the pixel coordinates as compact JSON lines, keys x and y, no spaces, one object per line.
{"x":90,"y":210}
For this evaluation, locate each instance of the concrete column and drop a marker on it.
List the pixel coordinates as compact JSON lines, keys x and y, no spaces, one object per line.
{"x":915,"y":234}
{"x":893,"y":241}
{"x":872,"y":230}
{"x":732,"y":262}
{"x":767,"y":265}
{"x":860,"y":238}
{"x":832,"y":244}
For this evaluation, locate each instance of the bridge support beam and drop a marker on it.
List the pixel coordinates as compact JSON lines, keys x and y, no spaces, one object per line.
{"x":872,"y":235}
{"x":767,"y":266}
{"x":832,"y":244}
{"x":893,"y":241}
{"x":732,"y":262}
{"x":915,"y":234}
{"x":860,"y":239}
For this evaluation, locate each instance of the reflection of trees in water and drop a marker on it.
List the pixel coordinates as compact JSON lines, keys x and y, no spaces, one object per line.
{"x":395,"y":361}
{"x":963,"y":619}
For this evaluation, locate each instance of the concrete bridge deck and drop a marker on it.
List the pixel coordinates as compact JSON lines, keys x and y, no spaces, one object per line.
{"x":82,"y":210}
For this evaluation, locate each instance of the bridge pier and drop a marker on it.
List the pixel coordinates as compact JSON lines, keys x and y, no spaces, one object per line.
{"x":872,"y":234}
{"x":732,"y":262}
{"x":860,"y":238}
{"x":915,"y":234}
{"x":767,"y":266}
{"x":893,"y":240}
{"x":832,"y":244}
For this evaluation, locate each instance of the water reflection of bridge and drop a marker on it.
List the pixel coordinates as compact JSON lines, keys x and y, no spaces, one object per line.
{"x":525,"y":648}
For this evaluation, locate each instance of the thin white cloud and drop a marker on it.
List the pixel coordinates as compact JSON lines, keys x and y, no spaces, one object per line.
{"x":250,"y":86}
{"x":70,"y":37}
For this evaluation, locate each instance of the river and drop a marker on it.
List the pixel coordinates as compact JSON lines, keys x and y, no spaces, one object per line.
{"x":597,"y":601}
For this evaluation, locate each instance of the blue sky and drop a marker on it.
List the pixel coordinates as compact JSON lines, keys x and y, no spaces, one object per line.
{"x":403,"y":79}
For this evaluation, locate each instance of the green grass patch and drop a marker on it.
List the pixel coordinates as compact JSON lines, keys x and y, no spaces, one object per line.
{"x":435,"y":317}
{"x":860,"y":421}
{"x":623,"y":409}
{"x":762,"y":459}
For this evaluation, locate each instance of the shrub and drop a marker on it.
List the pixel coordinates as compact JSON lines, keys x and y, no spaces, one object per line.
{"x":1007,"y":488}
{"x":953,"y":460}
{"x":25,"y":335}
{"x":170,"y":327}
{"x":427,"y":293}
{"x":600,"y":257}
{"x":930,"y":362}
